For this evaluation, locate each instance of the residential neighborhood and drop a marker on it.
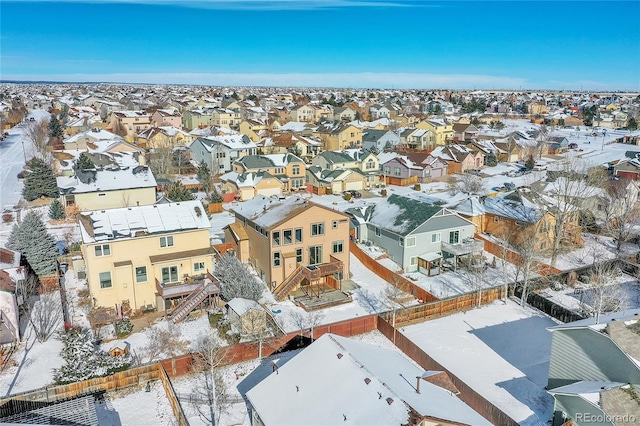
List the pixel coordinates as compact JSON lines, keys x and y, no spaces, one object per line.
{"x":269,"y":256}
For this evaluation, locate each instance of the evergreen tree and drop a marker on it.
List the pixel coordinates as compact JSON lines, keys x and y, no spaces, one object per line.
{"x":530,"y":162}
{"x":34,"y":242}
{"x":56,"y":210}
{"x":491,"y":160}
{"x":55,"y":128}
{"x":632,"y":124}
{"x":204,"y":176}
{"x":83,"y":360}
{"x":39,"y":180}
{"x":84,"y":163}
{"x":215,"y":196}
{"x":178,"y":192}
{"x":236,"y":280}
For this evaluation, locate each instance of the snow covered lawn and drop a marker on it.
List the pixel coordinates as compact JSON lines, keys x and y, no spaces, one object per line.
{"x":501,"y":350}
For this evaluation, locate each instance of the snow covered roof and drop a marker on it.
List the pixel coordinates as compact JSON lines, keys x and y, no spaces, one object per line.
{"x":601,"y":321}
{"x":111,"y":179}
{"x":246,"y":180}
{"x":268,"y":212}
{"x":400,"y":214}
{"x":587,"y":389}
{"x":337,"y":380}
{"x":294,"y":126}
{"x":472,"y":206}
{"x":130,"y":222}
{"x":241,"y":306}
{"x":231,"y":142}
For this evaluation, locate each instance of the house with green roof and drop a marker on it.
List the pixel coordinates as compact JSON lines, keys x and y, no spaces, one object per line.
{"x":287,"y":168}
{"x":364,"y":161}
{"x":419,"y":236}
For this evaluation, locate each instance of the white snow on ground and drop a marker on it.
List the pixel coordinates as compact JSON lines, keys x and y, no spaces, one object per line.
{"x":219,"y":221}
{"x":136,"y":407}
{"x":502,"y":351}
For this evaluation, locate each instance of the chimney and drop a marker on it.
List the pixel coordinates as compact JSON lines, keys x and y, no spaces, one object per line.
{"x":418,"y":384}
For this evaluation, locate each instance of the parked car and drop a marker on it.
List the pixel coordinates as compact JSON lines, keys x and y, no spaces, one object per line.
{"x":540,"y":166}
{"x":573,"y":145}
{"x":353,"y":193}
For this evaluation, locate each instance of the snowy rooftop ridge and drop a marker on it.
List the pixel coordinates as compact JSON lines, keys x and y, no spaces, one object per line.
{"x":337,"y":378}
{"x":130,"y":222}
{"x":111,"y":179}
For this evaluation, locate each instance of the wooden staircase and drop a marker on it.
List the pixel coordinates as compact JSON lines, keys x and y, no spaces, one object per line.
{"x":286,"y":286}
{"x":193,"y":300}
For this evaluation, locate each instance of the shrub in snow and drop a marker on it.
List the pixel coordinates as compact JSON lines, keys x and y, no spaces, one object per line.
{"x":32,"y":240}
{"x":56,"y":210}
{"x":83,"y":359}
{"x":235,"y":279}
{"x":123,"y":327}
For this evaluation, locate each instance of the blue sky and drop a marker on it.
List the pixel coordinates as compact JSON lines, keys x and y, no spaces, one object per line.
{"x":339,"y":43}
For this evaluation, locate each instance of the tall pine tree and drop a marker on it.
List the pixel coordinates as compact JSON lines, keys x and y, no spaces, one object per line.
{"x":34,"y":242}
{"x":204,"y":176}
{"x":39,"y":180}
{"x":55,"y":128}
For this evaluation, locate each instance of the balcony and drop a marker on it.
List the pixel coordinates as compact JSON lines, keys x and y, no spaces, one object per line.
{"x":467,"y":246}
{"x":185,"y":287}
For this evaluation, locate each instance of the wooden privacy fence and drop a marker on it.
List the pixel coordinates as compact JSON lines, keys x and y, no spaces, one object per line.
{"x":391,"y":277}
{"x":443,"y":307}
{"x":467,"y":394}
{"x":178,"y":412}
{"x":131,"y":377}
{"x":514,"y":257}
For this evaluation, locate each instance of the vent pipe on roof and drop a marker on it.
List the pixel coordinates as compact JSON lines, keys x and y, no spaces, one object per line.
{"x":418,"y":384}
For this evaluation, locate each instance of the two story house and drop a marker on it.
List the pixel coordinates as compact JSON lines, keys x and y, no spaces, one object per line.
{"x":338,"y":135}
{"x":129,"y":123}
{"x":167,"y":117}
{"x":366,"y":162}
{"x":219,"y":152}
{"x":292,"y":243}
{"x":379,"y":140}
{"x":147,"y":256}
{"x":441,"y":128}
{"x":415,"y":234}
{"x":288,"y":168}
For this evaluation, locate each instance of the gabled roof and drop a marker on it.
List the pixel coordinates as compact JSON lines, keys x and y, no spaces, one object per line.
{"x":241,"y":306}
{"x":337,"y":378}
{"x":266,"y":161}
{"x":246,"y":180}
{"x":231,"y":142}
{"x":401,"y":215}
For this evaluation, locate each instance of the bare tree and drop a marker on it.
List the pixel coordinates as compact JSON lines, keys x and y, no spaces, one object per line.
{"x":38,"y":133}
{"x":392,"y":298}
{"x":45,"y":315}
{"x":525,"y":244}
{"x":603,"y":292}
{"x":474,"y":275}
{"x":208,"y":360}
{"x":162,"y":343}
{"x":620,"y":208}
{"x":470,"y":184}
{"x":572,"y":187}
{"x":162,"y":159}
{"x":541,"y":141}
{"x":16,"y":113}
{"x":307,"y":322}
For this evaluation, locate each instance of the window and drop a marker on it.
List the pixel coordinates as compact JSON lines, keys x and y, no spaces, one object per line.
{"x":401,"y":241}
{"x":519,"y":223}
{"x":275,"y":237}
{"x":299,"y":255}
{"x":317,"y":229}
{"x":276,"y":259}
{"x":315,"y":255}
{"x":105,"y":280}
{"x":377,"y":232}
{"x":411,"y":241}
{"x":495,"y":218}
{"x":334,"y":224}
{"x":298,"y":235}
{"x":198,"y":267}
{"x":170,"y":274}
{"x":166,"y":241}
{"x":141,"y":274}
{"x":297,"y":183}
{"x":295,"y":170}
{"x":435,"y":237}
{"x":413,"y":260}
{"x":396,"y":171}
{"x":387,"y":170}
{"x":102,"y":250}
{"x":454,"y":237}
{"x":102,"y":194}
{"x":279,"y":170}
{"x":287,"y":236}
{"x":337,"y":247}
{"x":370,"y":165}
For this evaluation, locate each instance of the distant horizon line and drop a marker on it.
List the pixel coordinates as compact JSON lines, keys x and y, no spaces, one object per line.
{"x":14,"y":81}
